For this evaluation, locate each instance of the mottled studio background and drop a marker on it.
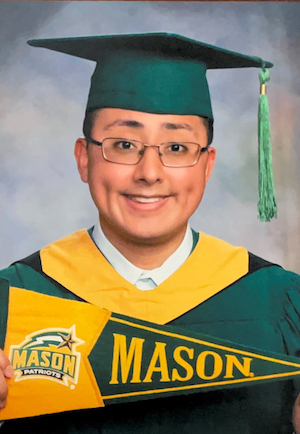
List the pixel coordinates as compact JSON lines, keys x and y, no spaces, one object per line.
{"x":42,"y":102}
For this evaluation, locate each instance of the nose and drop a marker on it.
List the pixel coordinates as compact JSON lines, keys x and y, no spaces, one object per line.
{"x":150,"y":168}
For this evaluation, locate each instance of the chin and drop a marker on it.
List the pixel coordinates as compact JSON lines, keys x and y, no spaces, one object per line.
{"x":150,"y":236}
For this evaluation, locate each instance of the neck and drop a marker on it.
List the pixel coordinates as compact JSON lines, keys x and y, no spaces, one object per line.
{"x":143,"y":252}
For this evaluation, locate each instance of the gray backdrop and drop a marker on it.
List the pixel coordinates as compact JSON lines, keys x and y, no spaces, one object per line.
{"x":42,"y":102}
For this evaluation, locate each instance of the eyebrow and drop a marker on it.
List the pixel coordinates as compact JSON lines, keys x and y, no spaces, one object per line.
{"x":135,"y":124}
{"x":124,"y":123}
{"x":176,"y":126}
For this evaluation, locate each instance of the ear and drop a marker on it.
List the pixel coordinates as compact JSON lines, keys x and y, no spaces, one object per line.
{"x":81,"y":155}
{"x":211,"y":157}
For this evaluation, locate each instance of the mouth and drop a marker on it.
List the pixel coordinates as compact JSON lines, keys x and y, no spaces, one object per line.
{"x":144,"y":199}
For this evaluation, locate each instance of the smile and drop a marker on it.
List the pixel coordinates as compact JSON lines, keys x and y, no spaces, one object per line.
{"x":142,"y":199}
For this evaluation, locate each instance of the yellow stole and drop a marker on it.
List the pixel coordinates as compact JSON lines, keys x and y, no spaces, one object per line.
{"x":77,"y":264}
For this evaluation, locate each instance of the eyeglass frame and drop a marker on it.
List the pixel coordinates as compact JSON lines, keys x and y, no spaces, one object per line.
{"x":95,"y":142}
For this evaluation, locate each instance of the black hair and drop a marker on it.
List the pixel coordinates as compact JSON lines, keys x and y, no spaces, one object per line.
{"x":89,"y":121}
{"x":90,"y":118}
{"x":209,"y":125}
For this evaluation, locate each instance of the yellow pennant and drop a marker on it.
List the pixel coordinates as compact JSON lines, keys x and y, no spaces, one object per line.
{"x":48,"y":342}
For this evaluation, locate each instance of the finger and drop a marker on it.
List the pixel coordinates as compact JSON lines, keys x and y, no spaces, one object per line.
{"x":6,"y":372}
{"x":296,"y":415}
{"x":3,"y":391}
{"x":5,"y":365}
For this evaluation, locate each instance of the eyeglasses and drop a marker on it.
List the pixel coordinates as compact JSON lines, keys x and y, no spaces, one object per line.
{"x":127,"y":151}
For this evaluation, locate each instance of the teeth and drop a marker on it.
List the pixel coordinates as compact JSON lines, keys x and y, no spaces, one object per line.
{"x":145,"y":199}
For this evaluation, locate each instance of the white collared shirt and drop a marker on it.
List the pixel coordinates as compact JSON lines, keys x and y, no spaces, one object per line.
{"x":143,"y":279}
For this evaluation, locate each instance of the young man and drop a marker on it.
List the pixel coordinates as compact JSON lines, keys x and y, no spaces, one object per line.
{"x":146,"y":157}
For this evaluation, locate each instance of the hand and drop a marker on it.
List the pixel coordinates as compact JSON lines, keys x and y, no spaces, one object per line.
{"x":296,"y":415}
{"x":6,"y":372}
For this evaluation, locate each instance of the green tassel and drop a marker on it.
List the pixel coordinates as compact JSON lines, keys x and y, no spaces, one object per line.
{"x":267,"y":207}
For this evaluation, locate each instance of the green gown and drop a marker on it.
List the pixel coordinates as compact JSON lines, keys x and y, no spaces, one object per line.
{"x":260,"y":309}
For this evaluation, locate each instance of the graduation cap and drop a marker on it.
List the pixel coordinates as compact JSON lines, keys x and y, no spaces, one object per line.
{"x":166,"y":74}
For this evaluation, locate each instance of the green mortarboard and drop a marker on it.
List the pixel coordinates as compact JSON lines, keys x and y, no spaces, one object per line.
{"x":157,"y":73}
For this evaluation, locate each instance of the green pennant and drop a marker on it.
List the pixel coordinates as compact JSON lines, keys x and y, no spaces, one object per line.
{"x":137,"y":360}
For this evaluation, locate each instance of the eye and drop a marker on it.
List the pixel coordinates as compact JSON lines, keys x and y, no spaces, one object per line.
{"x":124,"y":145}
{"x":177,"y":148}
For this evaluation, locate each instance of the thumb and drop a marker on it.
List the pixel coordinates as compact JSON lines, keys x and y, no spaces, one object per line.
{"x":8,"y":371}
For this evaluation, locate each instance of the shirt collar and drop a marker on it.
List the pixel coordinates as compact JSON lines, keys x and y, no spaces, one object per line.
{"x":132,"y":273}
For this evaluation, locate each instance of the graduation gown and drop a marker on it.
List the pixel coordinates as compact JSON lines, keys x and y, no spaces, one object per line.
{"x":220,"y":290}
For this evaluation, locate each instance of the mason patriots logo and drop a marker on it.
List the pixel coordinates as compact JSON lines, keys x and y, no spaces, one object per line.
{"x":49,"y":353}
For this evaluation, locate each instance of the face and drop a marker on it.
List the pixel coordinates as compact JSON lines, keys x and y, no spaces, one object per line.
{"x":146,"y":202}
